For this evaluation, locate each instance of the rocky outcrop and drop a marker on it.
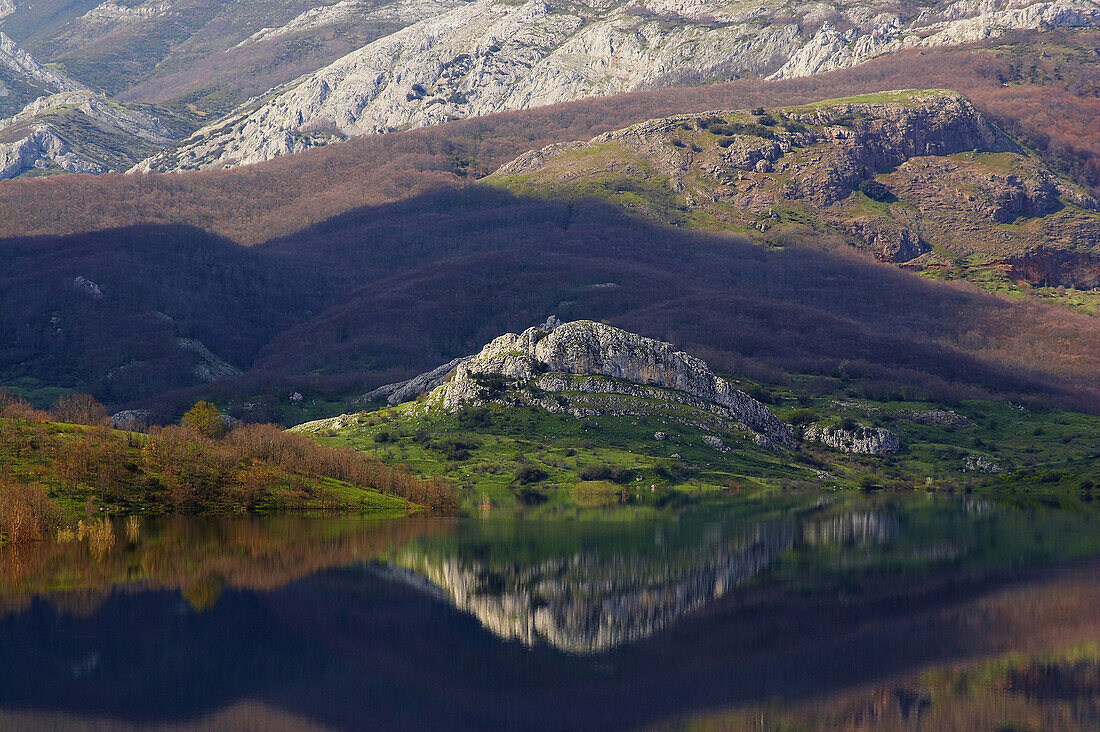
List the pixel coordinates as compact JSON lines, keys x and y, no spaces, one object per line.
{"x":857,"y":440}
{"x":36,"y":138}
{"x":404,"y":391}
{"x":587,"y":368}
{"x":209,"y":366}
{"x":42,"y":149}
{"x":907,"y":176}
{"x":99,"y":109}
{"x":491,"y":55}
{"x":889,"y":241}
{"x":27,"y":67}
{"x":134,"y":420}
{"x":1045,"y":267}
{"x":937,"y":417}
{"x":981,"y":464}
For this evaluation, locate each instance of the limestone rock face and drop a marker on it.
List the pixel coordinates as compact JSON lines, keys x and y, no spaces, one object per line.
{"x":587,"y":368}
{"x":26,"y":66}
{"x":485,"y":56}
{"x":860,"y":440}
{"x":405,"y":391}
{"x":41,"y":149}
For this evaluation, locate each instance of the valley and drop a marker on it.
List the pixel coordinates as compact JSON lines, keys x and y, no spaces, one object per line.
{"x":508,"y":364}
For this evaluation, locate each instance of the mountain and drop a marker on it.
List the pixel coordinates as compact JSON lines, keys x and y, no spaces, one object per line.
{"x":1015,"y":82}
{"x":489,"y":56}
{"x":68,"y":127}
{"x":919,"y":178}
{"x":195,"y":57}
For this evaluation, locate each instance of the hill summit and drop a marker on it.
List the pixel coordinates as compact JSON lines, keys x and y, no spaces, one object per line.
{"x":588,"y":369}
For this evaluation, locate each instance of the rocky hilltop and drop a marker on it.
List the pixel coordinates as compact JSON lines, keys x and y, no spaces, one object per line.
{"x":489,"y":56}
{"x":916,"y":177}
{"x":588,"y":369}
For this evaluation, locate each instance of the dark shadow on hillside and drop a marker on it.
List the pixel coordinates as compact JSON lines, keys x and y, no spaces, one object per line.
{"x":458,"y":267}
{"x":388,"y":290}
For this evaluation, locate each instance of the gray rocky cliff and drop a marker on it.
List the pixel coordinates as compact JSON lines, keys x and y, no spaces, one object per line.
{"x":562,"y":368}
{"x":489,"y":56}
{"x":858,"y":440}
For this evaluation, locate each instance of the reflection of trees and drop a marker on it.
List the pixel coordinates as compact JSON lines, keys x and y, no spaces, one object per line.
{"x":197,"y":556}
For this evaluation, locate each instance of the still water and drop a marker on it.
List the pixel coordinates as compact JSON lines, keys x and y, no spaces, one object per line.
{"x":791,"y":613}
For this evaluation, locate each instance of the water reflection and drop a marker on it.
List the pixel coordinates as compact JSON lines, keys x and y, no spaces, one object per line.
{"x":779,"y":613}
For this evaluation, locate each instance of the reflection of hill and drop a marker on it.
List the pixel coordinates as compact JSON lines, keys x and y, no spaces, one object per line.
{"x":594,"y":599}
{"x":351,"y":650}
{"x":586,"y":603}
{"x":198,"y":557}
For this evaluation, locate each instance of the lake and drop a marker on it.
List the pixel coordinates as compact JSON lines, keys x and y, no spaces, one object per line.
{"x":789,"y":612}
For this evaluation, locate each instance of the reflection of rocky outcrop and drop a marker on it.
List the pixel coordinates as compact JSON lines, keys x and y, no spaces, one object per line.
{"x":587,"y":603}
{"x":603,"y":596}
{"x":851,"y":528}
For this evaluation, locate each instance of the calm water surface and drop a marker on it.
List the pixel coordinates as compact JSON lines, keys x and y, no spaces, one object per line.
{"x":793,"y":613}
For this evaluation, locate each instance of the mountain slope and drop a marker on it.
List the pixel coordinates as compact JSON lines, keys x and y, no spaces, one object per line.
{"x":65,"y":126}
{"x":1017,"y":83}
{"x":490,"y":56}
{"x":919,"y":178}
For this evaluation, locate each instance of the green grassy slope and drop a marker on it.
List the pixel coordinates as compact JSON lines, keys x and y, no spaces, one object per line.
{"x":525,"y":458}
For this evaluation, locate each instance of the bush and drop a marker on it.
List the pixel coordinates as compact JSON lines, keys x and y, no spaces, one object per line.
{"x":14,"y":407}
{"x":799,"y":417}
{"x":530,"y":474}
{"x":606,"y":473}
{"x":875,"y":191}
{"x":26,"y":513}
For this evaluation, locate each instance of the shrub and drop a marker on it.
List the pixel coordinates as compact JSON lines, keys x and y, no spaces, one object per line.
{"x":875,"y":191}
{"x":605,"y":473}
{"x":26,"y":513}
{"x":799,"y":417}
{"x":530,"y":474}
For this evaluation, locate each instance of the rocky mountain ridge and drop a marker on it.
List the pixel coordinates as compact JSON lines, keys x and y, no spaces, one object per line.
{"x":64,"y":130}
{"x":490,"y":56}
